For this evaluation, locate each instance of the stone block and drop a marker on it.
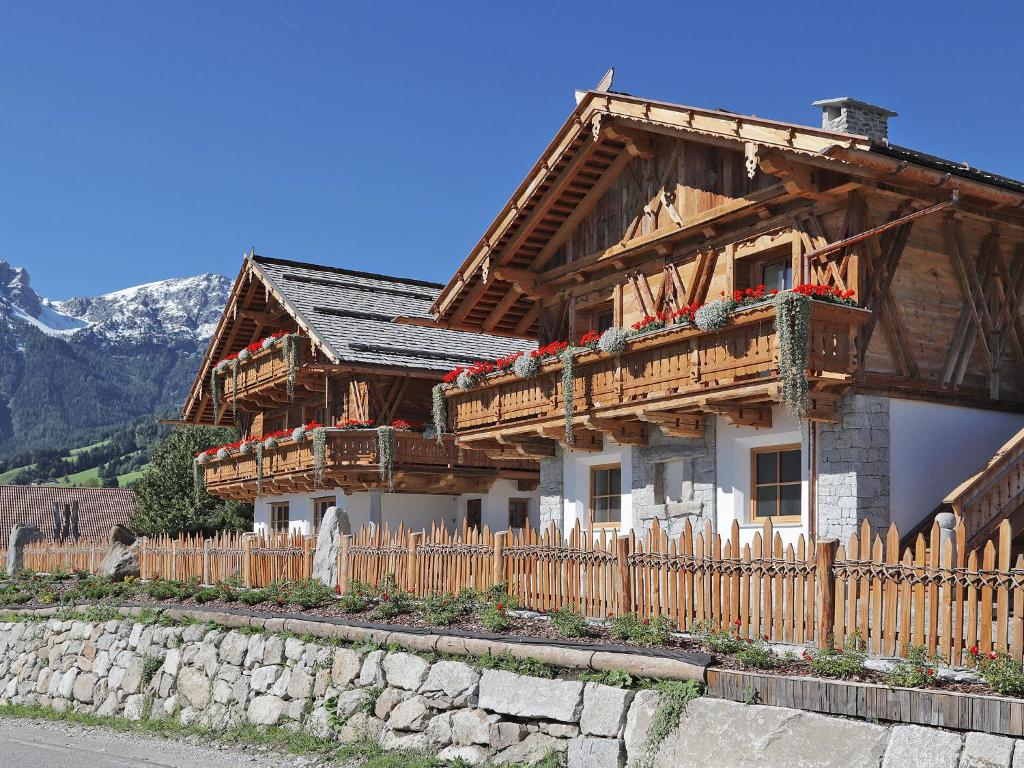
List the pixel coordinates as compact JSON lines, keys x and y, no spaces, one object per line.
{"x":195,"y":687}
{"x":472,"y":726}
{"x":451,"y":679}
{"x":404,"y":670}
{"x":638,"y":721}
{"x":986,"y":750}
{"x":372,"y":672}
{"x":509,"y":694}
{"x":265,"y":710}
{"x":346,"y":667}
{"x":471,"y":755}
{"x":604,"y":709}
{"x":592,"y":752}
{"x":530,"y":750}
{"x":913,"y":746}
{"x":410,"y":715}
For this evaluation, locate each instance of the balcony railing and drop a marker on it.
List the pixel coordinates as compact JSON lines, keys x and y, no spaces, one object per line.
{"x":674,"y":371}
{"x":352,"y":462}
{"x":262,"y":380}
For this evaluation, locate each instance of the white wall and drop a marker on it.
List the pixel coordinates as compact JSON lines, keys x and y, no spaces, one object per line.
{"x":494,"y":509}
{"x":933,"y":448}
{"x":417,"y":510}
{"x":576,"y":478}
{"x":733,"y":446}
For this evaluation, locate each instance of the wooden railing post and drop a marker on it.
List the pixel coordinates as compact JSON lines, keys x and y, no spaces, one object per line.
{"x":824,"y":585}
{"x":344,"y":567}
{"x":498,"y":565}
{"x":174,"y":560}
{"x":625,"y":582}
{"x":411,"y":563}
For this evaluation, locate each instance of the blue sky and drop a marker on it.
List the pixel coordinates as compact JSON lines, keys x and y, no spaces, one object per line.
{"x":143,"y":140}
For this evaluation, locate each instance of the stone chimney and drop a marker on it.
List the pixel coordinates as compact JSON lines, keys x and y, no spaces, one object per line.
{"x":848,"y":115}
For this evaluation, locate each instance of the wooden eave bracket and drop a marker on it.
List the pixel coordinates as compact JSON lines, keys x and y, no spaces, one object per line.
{"x":675,"y":423}
{"x":740,"y":415}
{"x":621,"y":431}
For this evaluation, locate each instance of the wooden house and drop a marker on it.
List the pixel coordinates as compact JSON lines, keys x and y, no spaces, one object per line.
{"x":307,"y":362}
{"x":639,"y":211}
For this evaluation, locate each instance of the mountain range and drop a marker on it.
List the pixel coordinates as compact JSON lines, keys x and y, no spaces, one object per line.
{"x":71,"y":369}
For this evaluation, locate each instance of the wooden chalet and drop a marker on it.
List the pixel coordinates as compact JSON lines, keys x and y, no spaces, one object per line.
{"x":352,"y":363}
{"x":639,"y":207}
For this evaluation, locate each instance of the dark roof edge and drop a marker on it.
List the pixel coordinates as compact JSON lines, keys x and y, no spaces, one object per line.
{"x":341,"y":271}
{"x":947,"y":166}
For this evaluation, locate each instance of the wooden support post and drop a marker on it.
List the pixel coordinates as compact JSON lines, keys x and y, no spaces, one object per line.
{"x":411,"y":563}
{"x":498,"y":566}
{"x":142,"y":556}
{"x":307,"y":563}
{"x":247,"y":560}
{"x":206,"y":561}
{"x":824,"y":583}
{"x":625,"y":583}
{"x":343,"y":564}
{"x":174,"y":560}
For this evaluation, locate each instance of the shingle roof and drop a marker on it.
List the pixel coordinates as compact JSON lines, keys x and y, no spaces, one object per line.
{"x":98,"y":508}
{"x":354,"y":312}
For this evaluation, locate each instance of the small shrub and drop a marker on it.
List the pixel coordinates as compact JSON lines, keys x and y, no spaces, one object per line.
{"x":150,"y":665}
{"x":758,"y":655}
{"x":207,"y":595}
{"x":916,"y":670}
{"x":101,"y":613}
{"x":1002,"y":673}
{"x":310,"y":594}
{"x":509,"y":663}
{"x":568,"y":623}
{"x":633,"y":629}
{"x":254,"y":597}
{"x":838,"y":662}
{"x":46,"y":597}
{"x":446,"y":609}
{"x":390,"y":605}
{"x":719,"y":640}
{"x":352,"y":602}
{"x":495,"y":618}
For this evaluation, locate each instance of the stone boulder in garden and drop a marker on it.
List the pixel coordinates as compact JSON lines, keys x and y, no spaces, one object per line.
{"x":122,"y":558}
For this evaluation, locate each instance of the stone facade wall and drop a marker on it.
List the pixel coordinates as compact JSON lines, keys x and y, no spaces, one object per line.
{"x":854,"y":468}
{"x":655,"y":496}
{"x":218,"y":677}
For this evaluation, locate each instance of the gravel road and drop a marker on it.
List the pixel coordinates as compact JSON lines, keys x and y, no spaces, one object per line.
{"x":42,"y":744}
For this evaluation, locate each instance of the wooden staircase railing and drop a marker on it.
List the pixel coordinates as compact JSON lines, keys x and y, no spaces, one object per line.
{"x":992,"y":494}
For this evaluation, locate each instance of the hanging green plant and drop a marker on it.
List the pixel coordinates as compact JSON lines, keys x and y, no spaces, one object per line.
{"x":234,"y":389}
{"x":290,"y":355}
{"x":439,"y":411}
{"x":792,"y":324}
{"x":259,"y":465}
{"x":319,"y":454}
{"x":386,"y":454}
{"x":568,"y":394}
{"x":215,"y":393}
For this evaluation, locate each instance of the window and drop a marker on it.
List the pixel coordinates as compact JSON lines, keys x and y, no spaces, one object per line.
{"x":279,"y":517}
{"x":777,"y":275}
{"x":598,"y":318}
{"x":474,"y":519}
{"x":320,"y":507}
{"x":606,"y":496}
{"x":518,"y":512}
{"x":776,"y":483}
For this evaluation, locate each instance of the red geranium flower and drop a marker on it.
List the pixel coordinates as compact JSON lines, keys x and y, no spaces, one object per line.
{"x":590,"y":337}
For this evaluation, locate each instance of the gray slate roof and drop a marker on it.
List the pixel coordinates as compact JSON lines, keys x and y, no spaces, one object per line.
{"x":353,"y":314}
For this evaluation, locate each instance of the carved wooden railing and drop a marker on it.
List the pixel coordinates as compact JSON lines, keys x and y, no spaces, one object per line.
{"x":263,"y":377}
{"x":992,"y":494}
{"x":350,"y":454}
{"x":668,"y":369}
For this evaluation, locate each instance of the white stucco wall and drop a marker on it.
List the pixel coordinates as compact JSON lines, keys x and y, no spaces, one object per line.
{"x":576,"y":478}
{"x":933,"y":448}
{"x":733,"y":448}
{"x":416,"y":510}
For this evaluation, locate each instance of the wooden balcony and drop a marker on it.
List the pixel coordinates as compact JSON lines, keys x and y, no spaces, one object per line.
{"x":352,"y":462}
{"x":670,"y":378}
{"x":263,"y":379}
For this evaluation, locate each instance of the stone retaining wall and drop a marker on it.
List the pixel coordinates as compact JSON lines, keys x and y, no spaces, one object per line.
{"x":219,"y":677}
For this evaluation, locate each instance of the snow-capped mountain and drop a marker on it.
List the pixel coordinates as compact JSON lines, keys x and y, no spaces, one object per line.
{"x":174,"y":310}
{"x":74,"y":366}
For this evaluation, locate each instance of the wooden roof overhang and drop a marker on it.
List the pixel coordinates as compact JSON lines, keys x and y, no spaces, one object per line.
{"x":499,"y":286}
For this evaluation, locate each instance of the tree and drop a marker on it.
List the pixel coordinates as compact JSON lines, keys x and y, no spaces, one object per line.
{"x":165,"y":493}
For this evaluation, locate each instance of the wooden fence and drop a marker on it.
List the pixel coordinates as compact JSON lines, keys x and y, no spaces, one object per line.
{"x":935,"y":593}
